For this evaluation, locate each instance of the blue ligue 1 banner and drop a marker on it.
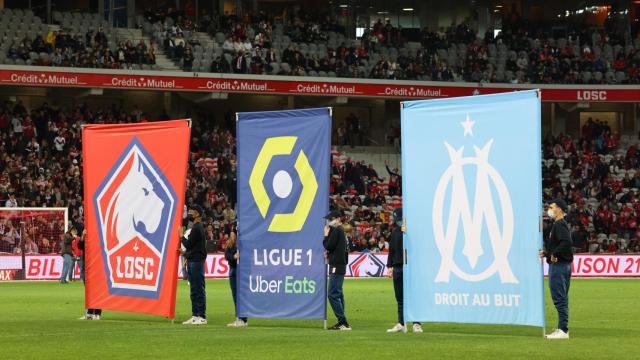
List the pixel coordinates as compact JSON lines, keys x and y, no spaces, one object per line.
{"x":283,"y":194}
{"x":472,"y":206}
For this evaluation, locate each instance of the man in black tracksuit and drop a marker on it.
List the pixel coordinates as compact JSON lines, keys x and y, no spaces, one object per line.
{"x":337,"y":253}
{"x":196,"y":254}
{"x":395,"y":261}
{"x":559,"y":254}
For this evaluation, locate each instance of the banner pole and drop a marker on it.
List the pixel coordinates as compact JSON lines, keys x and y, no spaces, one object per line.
{"x":404,"y":261}
{"x":544,"y":335}
{"x":326,"y":292}
{"x":541,"y":224}
{"x":326,"y":261}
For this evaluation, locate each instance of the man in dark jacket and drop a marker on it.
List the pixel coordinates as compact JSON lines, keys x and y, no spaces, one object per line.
{"x":337,"y":254}
{"x":196,"y":254}
{"x":67,"y":255}
{"x":395,"y":261}
{"x":559,"y":255}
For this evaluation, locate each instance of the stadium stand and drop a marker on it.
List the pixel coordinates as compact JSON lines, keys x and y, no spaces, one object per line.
{"x":80,"y":40}
{"x":317,"y":46}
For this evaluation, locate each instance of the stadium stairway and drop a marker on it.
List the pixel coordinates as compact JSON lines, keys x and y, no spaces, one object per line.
{"x":163,"y":62}
{"x":135,"y":35}
{"x":204,"y":39}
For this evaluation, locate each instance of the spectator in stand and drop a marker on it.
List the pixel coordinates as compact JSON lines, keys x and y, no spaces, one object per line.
{"x":11,"y":201}
{"x":212,"y":246}
{"x":187,"y":59}
{"x":10,"y":238}
{"x":30,"y":247}
{"x":240,"y":63}
{"x":395,"y":180}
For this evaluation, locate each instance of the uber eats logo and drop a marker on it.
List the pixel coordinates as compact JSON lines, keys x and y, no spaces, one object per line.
{"x":282,"y":184}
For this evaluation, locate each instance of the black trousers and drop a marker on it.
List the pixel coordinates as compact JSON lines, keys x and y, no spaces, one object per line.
{"x":398,"y":288}
{"x":233,"y":278}
{"x":197,"y":285}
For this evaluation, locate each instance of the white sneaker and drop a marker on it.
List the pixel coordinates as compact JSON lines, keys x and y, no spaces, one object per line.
{"x":190,"y":321}
{"x":417,"y":328}
{"x":344,"y":327}
{"x":200,"y":321}
{"x":397,"y":328}
{"x":557,"y":335}
{"x":86,"y":317}
{"x":553,"y":333}
{"x":238,"y":323}
{"x":95,"y":317}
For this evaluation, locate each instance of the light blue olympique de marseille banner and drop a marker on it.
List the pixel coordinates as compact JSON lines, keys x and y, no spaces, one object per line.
{"x":472,"y":206}
{"x":283,"y":195}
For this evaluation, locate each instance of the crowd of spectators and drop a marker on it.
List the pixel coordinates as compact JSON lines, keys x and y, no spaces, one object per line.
{"x":173,"y":24}
{"x":42,"y":230}
{"x":602,"y":185}
{"x":41,"y":166}
{"x":64,"y":48}
{"x":520,"y":53}
{"x":316,"y":45}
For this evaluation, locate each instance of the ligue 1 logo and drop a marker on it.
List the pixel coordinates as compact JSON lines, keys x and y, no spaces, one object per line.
{"x":283,"y":145}
{"x":487,"y":178}
{"x":134,"y":207}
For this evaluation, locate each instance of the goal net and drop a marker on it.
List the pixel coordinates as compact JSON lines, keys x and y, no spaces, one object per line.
{"x":32,"y":230}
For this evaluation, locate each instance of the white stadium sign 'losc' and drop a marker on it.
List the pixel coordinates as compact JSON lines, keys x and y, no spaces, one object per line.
{"x":592,"y":95}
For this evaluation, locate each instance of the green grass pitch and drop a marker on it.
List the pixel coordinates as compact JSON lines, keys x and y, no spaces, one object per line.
{"x":38,"y":320}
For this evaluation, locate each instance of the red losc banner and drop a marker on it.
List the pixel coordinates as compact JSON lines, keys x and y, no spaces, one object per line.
{"x":134,"y":184}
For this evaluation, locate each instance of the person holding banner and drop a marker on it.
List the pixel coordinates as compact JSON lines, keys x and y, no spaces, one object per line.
{"x":196,"y":255}
{"x":559,"y":255}
{"x":395,"y":261}
{"x":337,"y":254}
{"x":91,"y":314}
{"x":232,"y":255}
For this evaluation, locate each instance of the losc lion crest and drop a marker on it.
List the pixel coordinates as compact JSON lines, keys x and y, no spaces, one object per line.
{"x":134,"y":207}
